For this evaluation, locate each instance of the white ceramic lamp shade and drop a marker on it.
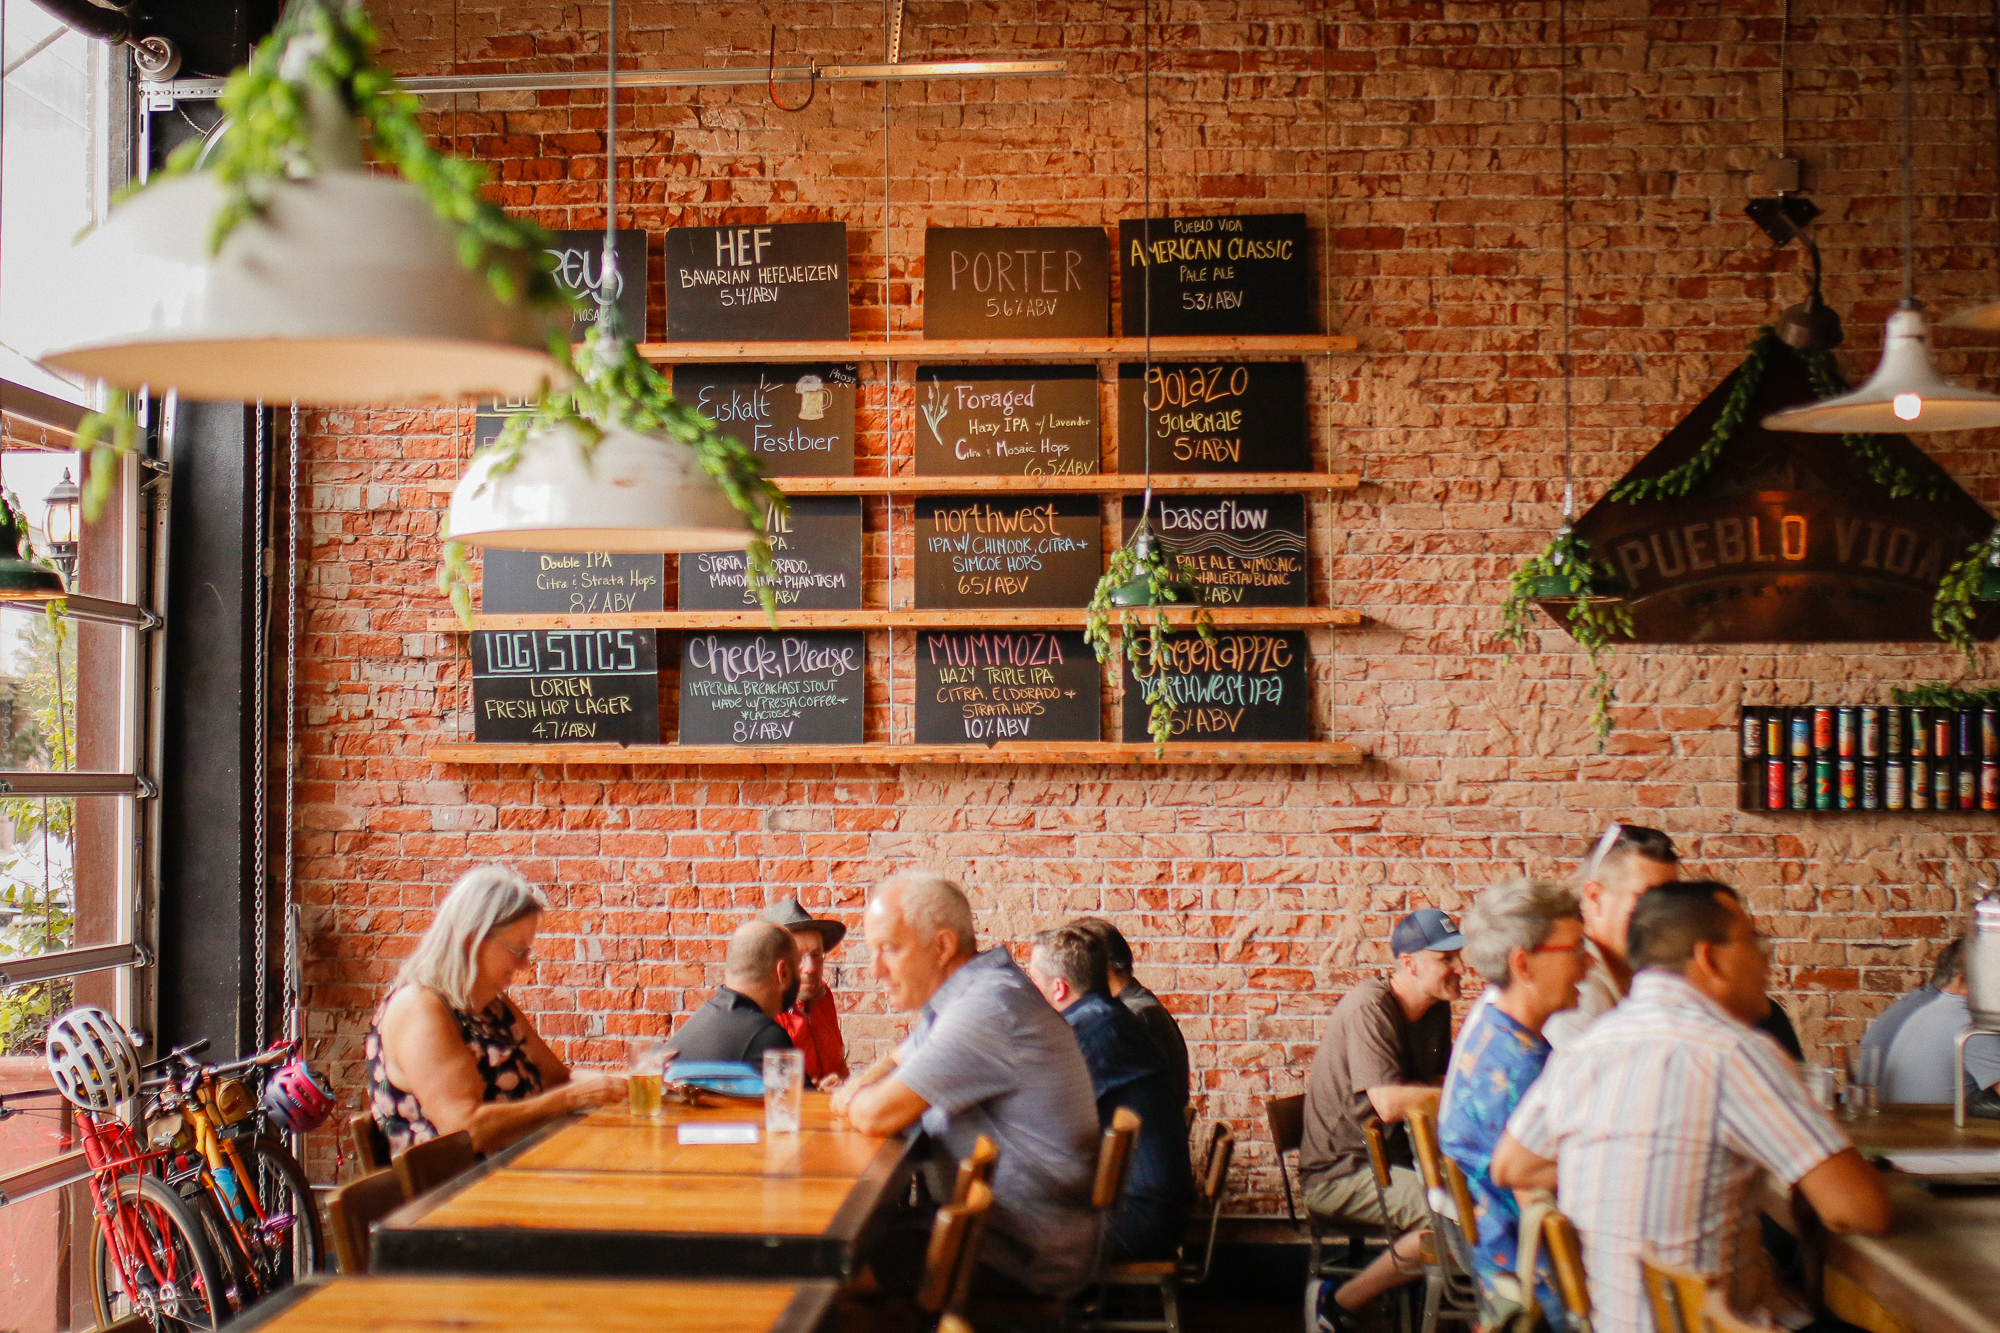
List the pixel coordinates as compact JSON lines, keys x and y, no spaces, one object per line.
{"x":637,"y":493}
{"x":1904,"y":394}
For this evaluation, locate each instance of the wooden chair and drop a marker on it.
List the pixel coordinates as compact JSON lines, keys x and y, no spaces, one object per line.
{"x":1565,"y":1254}
{"x":1286,"y":1117}
{"x":1675,"y":1294}
{"x":355,"y":1207}
{"x":422,"y":1167}
{"x":957,"y":1235}
{"x":976,"y":1169}
{"x":1168,"y":1276}
{"x":1451,"y":1290}
{"x":1721,"y":1319}
{"x":371,"y":1145}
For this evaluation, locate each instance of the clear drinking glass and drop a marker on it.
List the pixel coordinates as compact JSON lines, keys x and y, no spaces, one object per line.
{"x":1821,"y":1083}
{"x":784,"y":1090}
{"x":1864,"y":1079}
{"x":645,"y":1066}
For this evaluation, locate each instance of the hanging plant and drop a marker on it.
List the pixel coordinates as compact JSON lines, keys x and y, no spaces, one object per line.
{"x":1568,"y":571}
{"x":1947,"y":696}
{"x":1964,"y":591}
{"x":1143,"y":574}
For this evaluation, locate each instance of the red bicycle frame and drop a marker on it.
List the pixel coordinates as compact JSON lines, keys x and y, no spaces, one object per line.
{"x":113,"y":1151}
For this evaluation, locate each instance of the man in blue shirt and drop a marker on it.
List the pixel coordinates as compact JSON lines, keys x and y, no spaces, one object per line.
{"x":1069,"y":967}
{"x":1944,"y":973}
{"x":1526,"y":938}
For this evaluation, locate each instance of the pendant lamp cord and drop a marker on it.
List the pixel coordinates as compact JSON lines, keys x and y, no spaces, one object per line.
{"x":608,"y":278}
{"x":1146,"y":239}
{"x":1910,"y":301}
{"x":1562,"y":139}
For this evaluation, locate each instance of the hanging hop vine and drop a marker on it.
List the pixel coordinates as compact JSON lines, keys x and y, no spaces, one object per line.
{"x":1955,"y":610}
{"x":1597,"y":615}
{"x":1144,"y":637}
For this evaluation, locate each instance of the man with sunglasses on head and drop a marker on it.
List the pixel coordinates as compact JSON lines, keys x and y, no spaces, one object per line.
{"x":1627,"y":860}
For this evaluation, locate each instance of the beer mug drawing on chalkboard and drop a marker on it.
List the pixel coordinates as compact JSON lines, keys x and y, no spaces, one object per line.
{"x":813,"y":397}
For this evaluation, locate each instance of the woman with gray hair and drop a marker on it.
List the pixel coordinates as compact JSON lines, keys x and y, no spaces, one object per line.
{"x":448,"y":1050}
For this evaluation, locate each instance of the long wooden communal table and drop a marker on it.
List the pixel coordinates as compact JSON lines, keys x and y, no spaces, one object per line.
{"x":603,"y":1193}
{"x":437,"y":1303}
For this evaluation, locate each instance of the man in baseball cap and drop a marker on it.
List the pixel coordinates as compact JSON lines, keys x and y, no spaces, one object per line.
{"x":812,"y":1020}
{"x":1384,"y":1053}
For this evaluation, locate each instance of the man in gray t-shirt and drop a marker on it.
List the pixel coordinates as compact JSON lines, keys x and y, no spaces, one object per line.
{"x":987,"y":1055}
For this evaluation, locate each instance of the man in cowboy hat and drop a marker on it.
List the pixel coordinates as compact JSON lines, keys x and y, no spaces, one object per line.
{"x":811,"y":1020}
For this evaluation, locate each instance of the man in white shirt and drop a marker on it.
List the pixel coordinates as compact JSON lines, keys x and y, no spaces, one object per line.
{"x":1628,"y":860}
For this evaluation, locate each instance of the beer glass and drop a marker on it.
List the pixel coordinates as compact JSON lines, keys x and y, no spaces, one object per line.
{"x":784,"y":1090}
{"x":645,"y":1066}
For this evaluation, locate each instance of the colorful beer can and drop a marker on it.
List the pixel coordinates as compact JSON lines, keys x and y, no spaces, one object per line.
{"x":1920,"y":734}
{"x":1847,"y":730}
{"x":1892,"y":732}
{"x":1871,"y":786}
{"x":1849,"y":784}
{"x":1968,"y":787}
{"x":1753,"y":733}
{"x":1941,"y":787}
{"x":1774,"y":784}
{"x":1801,"y":793}
{"x":1895,"y":785}
{"x":1871,"y":733}
{"x":1774,"y":731}
{"x":1823,"y":787}
{"x":1989,"y":733}
{"x":1920,"y":784}
{"x":1968,"y":733}
{"x":1822,"y":732}
{"x":1801,"y":733}
{"x":1941,"y":733}
{"x":1989,"y":785}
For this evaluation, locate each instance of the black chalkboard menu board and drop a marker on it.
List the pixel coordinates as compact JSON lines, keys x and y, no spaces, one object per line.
{"x":983,"y":686}
{"x":797,"y":420}
{"x":817,"y":550}
{"x":768,"y":283}
{"x":1216,"y":276}
{"x":1222,"y":416}
{"x":579,"y":269}
{"x":978,"y":553}
{"x":540,"y":687}
{"x":1249,"y":685}
{"x":1247,"y":550}
{"x":1016,"y":282}
{"x":1012,"y":421}
{"x":772,"y":689}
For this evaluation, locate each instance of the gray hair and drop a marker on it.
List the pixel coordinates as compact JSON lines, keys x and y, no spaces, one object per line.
{"x":1517,"y":913}
{"x":931,"y":903}
{"x":484,"y":899}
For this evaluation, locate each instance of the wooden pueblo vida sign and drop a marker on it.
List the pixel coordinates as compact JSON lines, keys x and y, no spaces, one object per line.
{"x":772,"y":689}
{"x":797,"y":420}
{"x":817,"y":552}
{"x":1246,"y":550}
{"x":578,"y":257}
{"x":1249,"y":685}
{"x":1787,"y":539}
{"x":1216,"y":276}
{"x":543,"y":687}
{"x":1016,"y":282}
{"x":984,"y":686}
{"x":1013,"y":421}
{"x":976,"y":553}
{"x":769,"y":283}
{"x":1217,"y":416}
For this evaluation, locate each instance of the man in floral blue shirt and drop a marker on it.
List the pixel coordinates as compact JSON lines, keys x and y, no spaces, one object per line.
{"x":1526,"y":938}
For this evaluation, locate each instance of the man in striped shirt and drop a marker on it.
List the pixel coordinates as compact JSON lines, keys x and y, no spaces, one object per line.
{"x":1654,"y":1125}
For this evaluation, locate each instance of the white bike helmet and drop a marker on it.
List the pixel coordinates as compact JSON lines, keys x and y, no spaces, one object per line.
{"x":92,"y":1059}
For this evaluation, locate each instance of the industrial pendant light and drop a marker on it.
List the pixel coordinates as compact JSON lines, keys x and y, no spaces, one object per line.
{"x":21,"y":579}
{"x":1905,"y":393}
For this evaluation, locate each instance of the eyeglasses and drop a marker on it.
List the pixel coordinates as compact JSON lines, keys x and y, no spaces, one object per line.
{"x":1630,"y":838}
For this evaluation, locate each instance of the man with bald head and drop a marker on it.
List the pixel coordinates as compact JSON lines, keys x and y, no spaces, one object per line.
{"x":986,"y":1055}
{"x":760,"y":977}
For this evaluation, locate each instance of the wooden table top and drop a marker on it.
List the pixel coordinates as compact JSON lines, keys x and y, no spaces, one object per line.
{"x":1901,"y":1128}
{"x":815,"y":1112}
{"x":448,"y":1303}
{"x":630,"y":1201}
{"x":657,"y":1148}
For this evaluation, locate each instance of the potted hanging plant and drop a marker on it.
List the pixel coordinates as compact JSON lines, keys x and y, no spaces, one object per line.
{"x":1967,"y":589}
{"x":1144,"y":573}
{"x":1568,"y":574}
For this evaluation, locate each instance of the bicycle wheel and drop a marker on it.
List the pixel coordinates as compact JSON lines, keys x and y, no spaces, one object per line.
{"x":293,"y":1246}
{"x":178,"y":1283}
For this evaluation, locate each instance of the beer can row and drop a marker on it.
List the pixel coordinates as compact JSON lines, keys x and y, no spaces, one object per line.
{"x":1869,"y":757}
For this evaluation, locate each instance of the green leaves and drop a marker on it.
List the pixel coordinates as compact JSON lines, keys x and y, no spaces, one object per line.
{"x":1596,"y":617}
{"x":1955,"y":610}
{"x":103,"y":438}
{"x":1681,"y":480}
{"x":1162,"y":570}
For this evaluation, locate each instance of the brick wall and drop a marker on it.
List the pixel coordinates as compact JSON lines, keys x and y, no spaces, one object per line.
{"x":1422,"y":139}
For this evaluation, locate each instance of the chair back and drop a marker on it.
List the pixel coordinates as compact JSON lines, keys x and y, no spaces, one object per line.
{"x":957,"y":1235}
{"x":1565,"y":1253}
{"x":1722,"y":1319}
{"x":1424,"y":1143}
{"x":355,"y":1207}
{"x":976,"y":1169}
{"x":1214,"y":1180}
{"x":1287,"y":1118}
{"x":371,"y":1145}
{"x":1114,"y":1159}
{"x":422,"y":1167}
{"x":1461,"y":1199}
{"x":1675,"y":1294}
{"x":1377,"y":1136}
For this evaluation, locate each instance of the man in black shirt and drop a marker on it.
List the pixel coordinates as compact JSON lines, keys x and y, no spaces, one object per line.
{"x":1159,"y":1022}
{"x":760,"y":977}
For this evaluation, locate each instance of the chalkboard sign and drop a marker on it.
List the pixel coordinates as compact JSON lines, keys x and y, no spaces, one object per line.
{"x":974,"y":553}
{"x":772,"y":689}
{"x":1226,"y":416}
{"x":818,"y":555}
{"x":1016,"y":282}
{"x":1247,"y":550}
{"x":1216,"y":276}
{"x":541,"y":687}
{"x":797,"y":420}
{"x":1249,"y":685}
{"x":1007,"y":421}
{"x":768,"y":283}
{"x":983,"y":686}
{"x":579,"y":269}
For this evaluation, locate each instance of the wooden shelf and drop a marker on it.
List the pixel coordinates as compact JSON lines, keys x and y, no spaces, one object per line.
{"x":1024,"y":752}
{"x":997,"y":349}
{"x":1088,"y":483}
{"x":1224,"y":617}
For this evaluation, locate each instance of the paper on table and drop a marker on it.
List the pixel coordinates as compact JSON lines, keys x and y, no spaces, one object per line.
{"x":1946,"y":1163}
{"x":719,"y":1131}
